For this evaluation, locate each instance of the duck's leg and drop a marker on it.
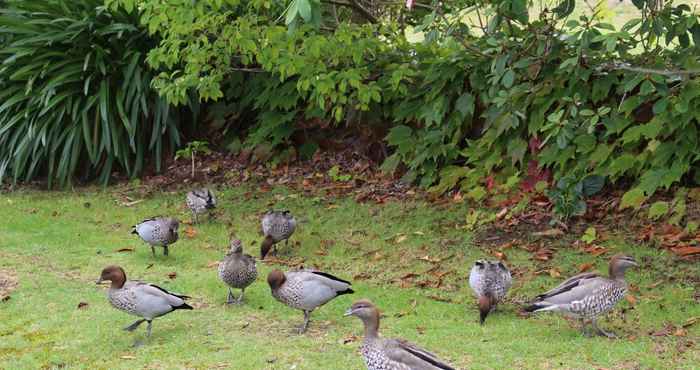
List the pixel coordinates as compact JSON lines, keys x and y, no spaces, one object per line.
{"x":165,"y":250}
{"x":195,"y":217}
{"x":230,"y":296}
{"x":148,"y":329}
{"x":153,"y":250}
{"x":307,"y":317}
{"x":135,"y":325}
{"x":240,"y":298}
{"x":584,"y":328}
{"x":600,"y":331}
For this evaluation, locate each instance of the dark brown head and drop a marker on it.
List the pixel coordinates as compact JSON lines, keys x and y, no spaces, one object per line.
{"x":618,"y":264}
{"x":486,"y":303}
{"x":265,"y":246}
{"x":115,"y":274}
{"x":276,"y":279}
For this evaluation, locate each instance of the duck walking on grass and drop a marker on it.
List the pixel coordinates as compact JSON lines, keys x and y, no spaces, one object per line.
{"x":390,"y":354}
{"x":306,"y":290}
{"x":147,"y":301}
{"x":237,"y":270}
{"x":158,"y":231}
{"x":490,"y":281}
{"x":276,"y":226}
{"x":589,"y":295}
{"x":200,"y":201}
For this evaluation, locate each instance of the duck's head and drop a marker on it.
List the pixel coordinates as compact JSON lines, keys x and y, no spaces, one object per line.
{"x":113,"y":273}
{"x":619,"y":264}
{"x":364,"y":309}
{"x":235,"y":246}
{"x":275,"y":279}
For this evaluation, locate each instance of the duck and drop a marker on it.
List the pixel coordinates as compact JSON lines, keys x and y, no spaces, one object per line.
{"x":237,"y":270}
{"x":306,"y":290}
{"x":158,"y":231}
{"x":490,"y":281}
{"x":200,"y":201}
{"x":276,"y":226}
{"x":588,"y":295}
{"x":147,"y":301}
{"x":390,"y":354}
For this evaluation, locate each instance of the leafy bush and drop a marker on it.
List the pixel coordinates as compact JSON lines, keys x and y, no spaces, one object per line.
{"x":576,"y":97}
{"x":75,"y":93}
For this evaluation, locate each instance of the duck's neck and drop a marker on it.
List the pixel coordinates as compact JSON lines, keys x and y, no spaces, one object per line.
{"x":371,"y":327}
{"x":616,"y":273}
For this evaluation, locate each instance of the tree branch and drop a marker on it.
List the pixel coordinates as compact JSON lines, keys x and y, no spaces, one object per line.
{"x":355,"y":6}
{"x":664,"y":72}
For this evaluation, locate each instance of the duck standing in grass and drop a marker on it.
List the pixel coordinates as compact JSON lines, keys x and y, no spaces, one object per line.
{"x":237,"y":270}
{"x":158,"y":231}
{"x":200,"y":201}
{"x":147,"y":301}
{"x":490,"y":281}
{"x":390,"y":354}
{"x":276,"y":226}
{"x":306,"y":290}
{"x":589,"y":295}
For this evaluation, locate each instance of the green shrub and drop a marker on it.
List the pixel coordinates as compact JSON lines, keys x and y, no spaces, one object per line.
{"x":76,"y":95}
{"x":463,"y":106}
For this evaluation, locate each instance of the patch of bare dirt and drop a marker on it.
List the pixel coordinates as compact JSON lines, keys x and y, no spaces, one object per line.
{"x":8,"y":283}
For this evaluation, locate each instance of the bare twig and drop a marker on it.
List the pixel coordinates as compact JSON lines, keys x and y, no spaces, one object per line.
{"x":664,"y":72}
{"x":355,"y":6}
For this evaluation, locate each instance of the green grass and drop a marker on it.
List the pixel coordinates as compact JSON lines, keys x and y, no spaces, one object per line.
{"x":57,"y":247}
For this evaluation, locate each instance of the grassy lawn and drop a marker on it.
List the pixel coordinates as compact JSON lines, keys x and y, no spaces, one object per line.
{"x":57,"y":243}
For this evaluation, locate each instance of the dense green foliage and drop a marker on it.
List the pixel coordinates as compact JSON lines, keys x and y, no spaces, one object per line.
{"x":464,"y":104}
{"x":75,"y":93}
{"x":515,"y":97}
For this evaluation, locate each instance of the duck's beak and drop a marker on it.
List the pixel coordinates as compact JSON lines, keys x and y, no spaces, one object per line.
{"x":349,"y":312}
{"x":99,"y":281}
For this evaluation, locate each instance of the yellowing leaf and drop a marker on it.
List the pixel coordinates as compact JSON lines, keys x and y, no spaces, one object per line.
{"x":633,"y":198}
{"x":658,"y":210}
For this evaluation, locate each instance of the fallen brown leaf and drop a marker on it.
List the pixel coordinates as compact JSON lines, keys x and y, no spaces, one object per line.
{"x":584,"y":267}
{"x":127,"y":357}
{"x":631,"y":299}
{"x":502,"y":213}
{"x":125,"y":250}
{"x":500,"y":255}
{"x":213,"y":264}
{"x":172,"y":275}
{"x":349,"y":339}
{"x":554,"y":272}
{"x":691,"y":321}
{"x":686,"y":251}
{"x":190,"y":232}
{"x":401,"y":239}
{"x":82,"y":305}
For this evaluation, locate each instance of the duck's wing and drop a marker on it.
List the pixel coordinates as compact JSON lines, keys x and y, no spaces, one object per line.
{"x":414,"y":357}
{"x":569,"y":284}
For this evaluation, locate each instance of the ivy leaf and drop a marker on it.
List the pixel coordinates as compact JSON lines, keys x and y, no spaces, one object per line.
{"x":658,"y":210}
{"x":565,"y":8}
{"x":465,"y":104}
{"x":647,"y":88}
{"x":508,"y":79}
{"x":633,"y":198}
{"x":593,"y":184}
